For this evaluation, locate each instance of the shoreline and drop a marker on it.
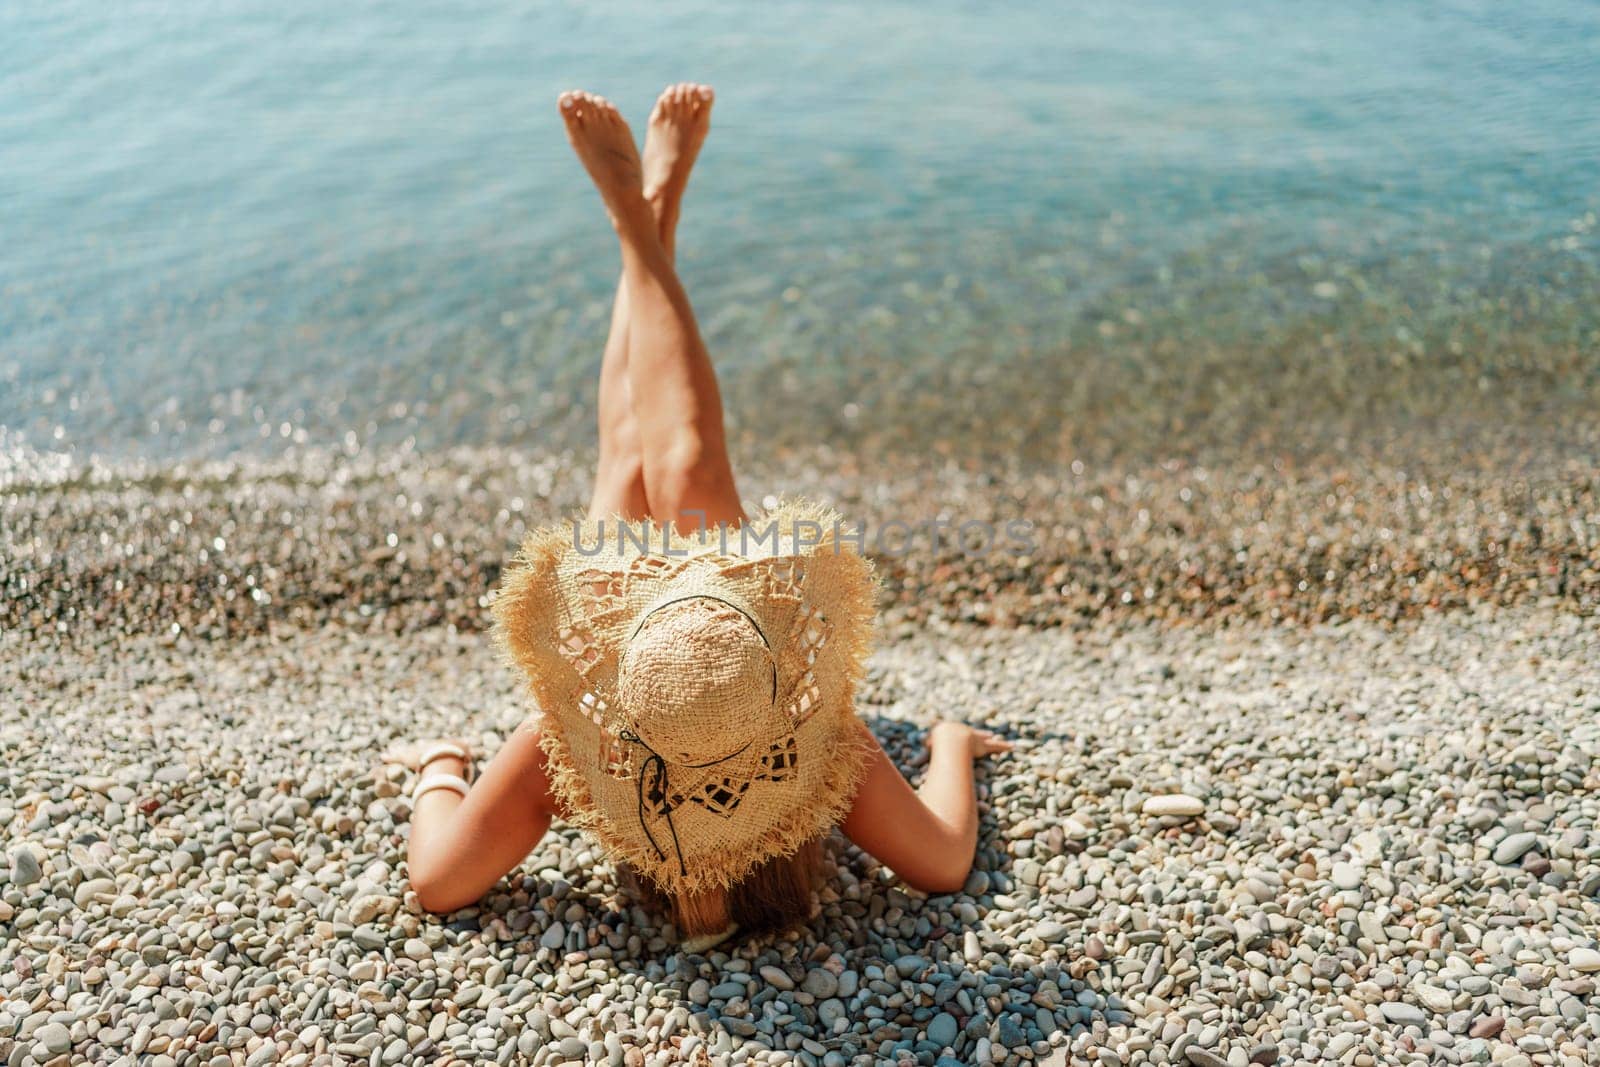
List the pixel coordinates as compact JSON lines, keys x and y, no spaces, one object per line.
{"x":404,"y":542}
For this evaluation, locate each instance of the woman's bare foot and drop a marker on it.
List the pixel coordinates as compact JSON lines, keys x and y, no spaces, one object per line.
{"x":678,"y":127}
{"x":605,"y":146}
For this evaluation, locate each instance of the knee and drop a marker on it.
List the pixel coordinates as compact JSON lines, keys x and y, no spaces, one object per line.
{"x":682,"y":459}
{"x":672,"y":477}
{"x":691,"y":475}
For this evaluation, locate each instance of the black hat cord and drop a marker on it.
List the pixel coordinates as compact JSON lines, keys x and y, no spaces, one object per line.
{"x":655,"y":769}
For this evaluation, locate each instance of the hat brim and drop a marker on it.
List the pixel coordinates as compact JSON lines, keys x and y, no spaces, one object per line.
{"x":567,"y":604}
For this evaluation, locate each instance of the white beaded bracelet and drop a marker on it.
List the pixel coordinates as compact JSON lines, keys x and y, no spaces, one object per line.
{"x":453,"y":782}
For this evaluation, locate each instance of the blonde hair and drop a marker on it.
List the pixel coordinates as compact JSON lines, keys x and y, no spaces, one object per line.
{"x":775,"y":895}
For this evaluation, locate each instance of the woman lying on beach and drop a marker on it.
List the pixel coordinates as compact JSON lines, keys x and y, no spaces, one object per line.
{"x":696,"y":702}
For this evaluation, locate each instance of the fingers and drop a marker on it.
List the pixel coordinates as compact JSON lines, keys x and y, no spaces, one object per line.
{"x":409,"y":753}
{"x":976,"y":740}
{"x":988,"y":743}
{"x":405,"y":754}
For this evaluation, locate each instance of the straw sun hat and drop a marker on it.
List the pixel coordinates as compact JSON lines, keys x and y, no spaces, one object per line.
{"x":698,"y":712}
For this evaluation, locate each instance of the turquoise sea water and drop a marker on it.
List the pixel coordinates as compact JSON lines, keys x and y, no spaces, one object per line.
{"x":249,"y":225}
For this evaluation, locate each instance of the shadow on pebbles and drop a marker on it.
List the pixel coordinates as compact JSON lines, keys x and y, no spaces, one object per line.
{"x":1214,"y":845}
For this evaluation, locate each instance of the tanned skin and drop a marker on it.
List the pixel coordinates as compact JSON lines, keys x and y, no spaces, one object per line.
{"x":664,"y":456}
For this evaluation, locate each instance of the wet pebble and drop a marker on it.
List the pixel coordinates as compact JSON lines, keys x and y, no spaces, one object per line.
{"x":942,"y":1029}
{"x":777,"y":977}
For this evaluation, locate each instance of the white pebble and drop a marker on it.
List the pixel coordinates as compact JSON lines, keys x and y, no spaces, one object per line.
{"x":1174,"y":804}
{"x":1586,"y":960}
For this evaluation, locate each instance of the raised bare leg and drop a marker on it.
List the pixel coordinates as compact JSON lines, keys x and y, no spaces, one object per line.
{"x":677,"y":407}
{"x":619,"y":473}
{"x":678,"y":126}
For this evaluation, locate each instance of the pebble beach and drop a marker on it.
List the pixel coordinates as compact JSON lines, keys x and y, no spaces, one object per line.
{"x":1214,"y":396}
{"x":1305,"y":773}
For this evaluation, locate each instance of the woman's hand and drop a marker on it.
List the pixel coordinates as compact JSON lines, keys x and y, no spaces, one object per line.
{"x":926,"y":835}
{"x":977,"y":742}
{"x":461,"y":846}
{"x":409,"y":753}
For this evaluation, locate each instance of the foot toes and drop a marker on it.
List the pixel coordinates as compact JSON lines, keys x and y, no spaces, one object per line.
{"x":682,"y":101}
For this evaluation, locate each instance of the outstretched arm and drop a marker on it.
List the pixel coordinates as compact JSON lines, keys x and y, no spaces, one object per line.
{"x":927,"y":836}
{"x":461,"y":846}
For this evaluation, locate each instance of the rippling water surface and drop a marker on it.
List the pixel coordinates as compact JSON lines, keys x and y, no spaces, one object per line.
{"x":253,"y":224}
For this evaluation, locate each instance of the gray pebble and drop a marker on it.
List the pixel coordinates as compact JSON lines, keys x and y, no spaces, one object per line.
{"x":368,"y":938}
{"x":777,"y":977}
{"x":1514,"y":846}
{"x":25,"y":869}
{"x":54,"y":1038}
{"x":820,"y":983}
{"x":1402,"y":1014}
{"x":910,"y":966}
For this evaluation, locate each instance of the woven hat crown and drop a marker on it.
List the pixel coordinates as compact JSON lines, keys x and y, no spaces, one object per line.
{"x":695,"y":678}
